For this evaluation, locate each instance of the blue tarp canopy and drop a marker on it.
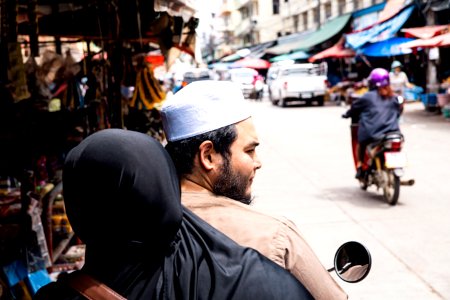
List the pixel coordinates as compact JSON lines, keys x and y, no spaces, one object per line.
{"x":380,"y":31}
{"x":389,"y":47}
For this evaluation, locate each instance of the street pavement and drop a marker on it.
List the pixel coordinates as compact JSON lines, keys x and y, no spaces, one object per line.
{"x":308,"y":176}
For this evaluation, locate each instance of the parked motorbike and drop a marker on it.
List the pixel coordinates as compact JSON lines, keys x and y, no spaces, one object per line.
{"x":352,"y":262}
{"x":258,"y":88}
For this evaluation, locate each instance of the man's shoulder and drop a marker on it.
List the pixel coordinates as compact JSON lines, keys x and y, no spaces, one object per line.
{"x":235,"y":209}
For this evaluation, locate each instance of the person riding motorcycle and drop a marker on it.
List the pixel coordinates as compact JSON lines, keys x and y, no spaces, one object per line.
{"x":377,"y":113}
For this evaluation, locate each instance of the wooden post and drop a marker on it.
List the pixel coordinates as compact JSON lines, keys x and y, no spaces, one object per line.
{"x":58,"y":48}
{"x":115,"y":54}
{"x":8,"y":33}
{"x":33,"y":28}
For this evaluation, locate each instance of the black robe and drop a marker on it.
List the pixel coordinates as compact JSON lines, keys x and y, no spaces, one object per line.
{"x":123,"y":200}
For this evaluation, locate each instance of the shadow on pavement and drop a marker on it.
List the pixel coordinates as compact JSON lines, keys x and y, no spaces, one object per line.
{"x":356,"y":196}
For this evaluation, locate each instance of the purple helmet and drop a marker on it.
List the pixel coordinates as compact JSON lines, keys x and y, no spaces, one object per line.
{"x":379,"y":77}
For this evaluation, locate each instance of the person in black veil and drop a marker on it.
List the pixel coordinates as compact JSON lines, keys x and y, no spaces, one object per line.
{"x":122,"y":198}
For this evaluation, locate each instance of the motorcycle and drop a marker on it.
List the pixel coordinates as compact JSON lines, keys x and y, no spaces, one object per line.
{"x":383,"y":164}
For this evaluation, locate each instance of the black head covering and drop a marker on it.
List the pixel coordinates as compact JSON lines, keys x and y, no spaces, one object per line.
{"x":122,"y":191}
{"x":120,"y":186}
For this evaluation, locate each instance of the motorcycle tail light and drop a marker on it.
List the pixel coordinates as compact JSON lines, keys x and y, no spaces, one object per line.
{"x":393,"y":145}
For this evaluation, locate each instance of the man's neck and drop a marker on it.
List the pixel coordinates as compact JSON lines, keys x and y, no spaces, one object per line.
{"x":191,"y":185}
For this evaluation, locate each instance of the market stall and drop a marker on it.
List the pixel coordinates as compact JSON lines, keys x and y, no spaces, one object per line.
{"x":52,"y":99}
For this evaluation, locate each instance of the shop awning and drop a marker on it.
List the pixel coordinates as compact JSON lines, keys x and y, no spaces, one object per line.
{"x":249,"y":62}
{"x":259,"y":50}
{"x":326,"y":32}
{"x":235,"y":56}
{"x":287,"y":44}
{"x":290,"y":56}
{"x":366,"y":17}
{"x":425,"y":32}
{"x":442,"y":40}
{"x":391,"y":8}
{"x":379,"y":31}
{"x":305,"y":41}
{"x":389,"y":47}
{"x":80,"y":20}
{"x":220,"y":66}
{"x":337,"y":51}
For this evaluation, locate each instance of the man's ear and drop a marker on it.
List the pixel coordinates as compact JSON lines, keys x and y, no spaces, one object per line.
{"x":208,"y":157}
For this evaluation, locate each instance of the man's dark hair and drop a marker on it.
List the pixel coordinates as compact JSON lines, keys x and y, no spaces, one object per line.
{"x":184,"y":151}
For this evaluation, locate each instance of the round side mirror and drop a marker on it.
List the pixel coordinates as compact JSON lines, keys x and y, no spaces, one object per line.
{"x":352,"y":262}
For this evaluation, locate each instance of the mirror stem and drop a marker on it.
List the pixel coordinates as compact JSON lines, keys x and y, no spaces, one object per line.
{"x":331,"y":270}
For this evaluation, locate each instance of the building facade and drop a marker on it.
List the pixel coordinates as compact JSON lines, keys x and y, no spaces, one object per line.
{"x":242,"y":23}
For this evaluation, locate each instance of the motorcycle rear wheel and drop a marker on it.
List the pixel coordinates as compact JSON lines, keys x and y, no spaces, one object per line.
{"x":391,"y":189}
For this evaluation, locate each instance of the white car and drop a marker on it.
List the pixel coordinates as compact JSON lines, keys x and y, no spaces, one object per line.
{"x":297,"y":82}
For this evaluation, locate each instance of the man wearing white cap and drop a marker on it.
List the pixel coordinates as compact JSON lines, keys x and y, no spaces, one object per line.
{"x":212,"y":141}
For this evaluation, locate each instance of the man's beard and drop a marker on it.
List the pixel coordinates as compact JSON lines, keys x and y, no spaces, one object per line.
{"x":232,"y":184}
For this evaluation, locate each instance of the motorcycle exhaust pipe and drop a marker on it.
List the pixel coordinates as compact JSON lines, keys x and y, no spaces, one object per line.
{"x":409,"y":182}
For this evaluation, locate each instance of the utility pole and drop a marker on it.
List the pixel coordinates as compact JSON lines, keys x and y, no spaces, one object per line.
{"x":431,"y":81}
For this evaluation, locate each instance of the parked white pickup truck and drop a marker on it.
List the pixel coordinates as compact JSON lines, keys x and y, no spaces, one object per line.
{"x":297,"y":82}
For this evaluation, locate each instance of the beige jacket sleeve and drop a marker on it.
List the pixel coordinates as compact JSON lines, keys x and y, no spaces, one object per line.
{"x":301,"y":261}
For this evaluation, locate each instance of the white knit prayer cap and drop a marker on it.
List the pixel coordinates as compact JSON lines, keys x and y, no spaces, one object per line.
{"x":203,"y":106}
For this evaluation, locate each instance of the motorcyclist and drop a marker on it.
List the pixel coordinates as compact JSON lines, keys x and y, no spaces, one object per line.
{"x":377,"y":113}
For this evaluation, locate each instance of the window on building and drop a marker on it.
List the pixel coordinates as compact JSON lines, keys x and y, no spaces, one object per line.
{"x":256,"y":38}
{"x":295,"y":20}
{"x":359,"y":4}
{"x":342,"y":6}
{"x":317,"y":15}
{"x":245,"y":13}
{"x":276,"y":7}
{"x":255,"y":9}
{"x":305,"y":20}
{"x":247,"y":39}
{"x":327,"y":10}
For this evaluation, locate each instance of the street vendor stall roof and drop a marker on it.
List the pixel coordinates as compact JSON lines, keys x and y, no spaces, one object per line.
{"x":110,"y":21}
{"x":290,"y":56}
{"x":387,"y":48}
{"x":442,"y":40}
{"x":380,"y":31}
{"x":288,"y":43}
{"x":426,"y":32}
{"x":336,"y":51}
{"x":326,"y":32}
{"x":313,"y":38}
